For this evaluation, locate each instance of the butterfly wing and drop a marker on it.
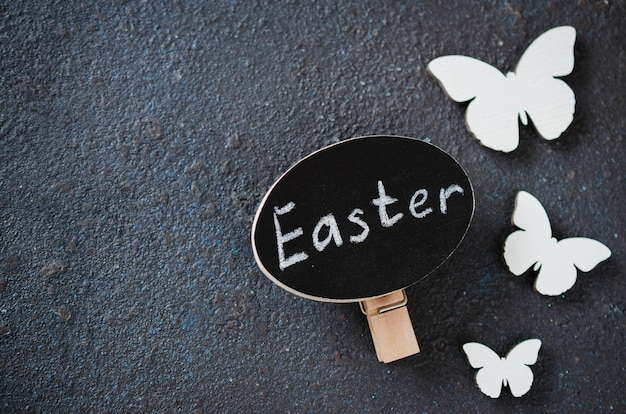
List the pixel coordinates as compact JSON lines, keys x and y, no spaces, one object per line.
{"x":585,"y":253}
{"x":462,"y":78}
{"x":524,"y":247}
{"x":489,"y":377}
{"x":549,"y":102}
{"x":519,"y":376}
{"x":490,"y":380}
{"x":550,"y":105}
{"x":480,"y":355}
{"x":492,"y":117}
{"x":530,"y":215}
{"x":521,"y":251}
{"x":558,"y":271}
{"x":557,"y":274}
{"x":520,"y":379}
{"x":525,"y":353}
{"x":550,"y":55}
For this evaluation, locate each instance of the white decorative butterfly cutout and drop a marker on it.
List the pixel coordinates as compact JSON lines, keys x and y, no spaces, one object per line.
{"x":511,"y":370}
{"x":534,"y":245}
{"x":532,"y":90}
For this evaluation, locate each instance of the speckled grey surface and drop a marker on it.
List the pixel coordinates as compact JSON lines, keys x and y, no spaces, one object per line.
{"x":137,"y":140}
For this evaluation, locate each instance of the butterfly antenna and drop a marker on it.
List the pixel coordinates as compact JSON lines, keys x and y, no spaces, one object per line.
{"x":523,"y":117}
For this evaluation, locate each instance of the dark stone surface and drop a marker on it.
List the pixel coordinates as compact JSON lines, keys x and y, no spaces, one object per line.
{"x":137,"y":140}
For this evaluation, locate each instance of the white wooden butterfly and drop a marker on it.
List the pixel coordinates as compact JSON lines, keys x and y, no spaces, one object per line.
{"x":532,"y":90}
{"x":555,"y":260}
{"x":511,"y":370}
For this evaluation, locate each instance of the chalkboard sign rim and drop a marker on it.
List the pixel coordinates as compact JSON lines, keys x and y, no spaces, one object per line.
{"x":314,"y":153}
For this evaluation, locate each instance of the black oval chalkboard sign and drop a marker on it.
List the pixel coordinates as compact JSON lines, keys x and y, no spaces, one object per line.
{"x":362,"y":218}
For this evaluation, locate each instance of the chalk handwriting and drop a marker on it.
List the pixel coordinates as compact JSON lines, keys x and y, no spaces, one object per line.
{"x":444,"y":195}
{"x":354,"y":219}
{"x":423,"y":193}
{"x":382,"y":202}
{"x":327,"y":228}
{"x":281,"y":238}
{"x":333,"y":233}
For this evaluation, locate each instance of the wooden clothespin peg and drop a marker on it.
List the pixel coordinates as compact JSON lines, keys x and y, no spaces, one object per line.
{"x":390,"y":325}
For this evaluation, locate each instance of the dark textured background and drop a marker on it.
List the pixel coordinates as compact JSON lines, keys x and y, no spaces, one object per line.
{"x":137,"y":140}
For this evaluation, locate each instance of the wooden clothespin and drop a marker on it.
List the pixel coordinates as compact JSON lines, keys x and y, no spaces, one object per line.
{"x":390,"y":325}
